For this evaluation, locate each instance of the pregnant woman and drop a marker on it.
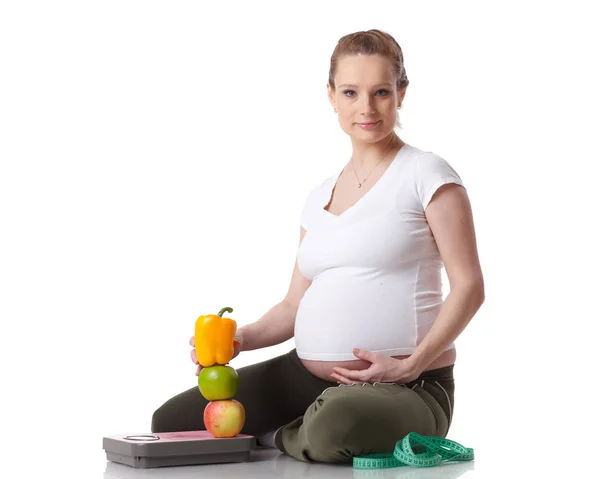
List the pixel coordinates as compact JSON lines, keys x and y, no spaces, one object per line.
{"x":374,"y":338}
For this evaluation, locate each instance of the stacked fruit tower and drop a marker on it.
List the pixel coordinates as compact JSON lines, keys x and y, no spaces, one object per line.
{"x":218,"y":382}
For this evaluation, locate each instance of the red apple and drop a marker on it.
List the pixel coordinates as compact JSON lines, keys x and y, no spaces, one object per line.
{"x":224,"y":418}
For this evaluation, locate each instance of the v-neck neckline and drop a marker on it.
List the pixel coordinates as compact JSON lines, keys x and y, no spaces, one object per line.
{"x":362,"y":199}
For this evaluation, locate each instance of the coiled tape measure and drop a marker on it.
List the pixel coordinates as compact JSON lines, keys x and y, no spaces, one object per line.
{"x":435,"y":450}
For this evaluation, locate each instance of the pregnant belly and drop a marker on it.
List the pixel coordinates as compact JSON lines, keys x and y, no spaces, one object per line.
{"x":322,"y":369}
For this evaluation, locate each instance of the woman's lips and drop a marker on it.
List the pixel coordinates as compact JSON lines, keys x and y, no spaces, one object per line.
{"x":368,"y":126}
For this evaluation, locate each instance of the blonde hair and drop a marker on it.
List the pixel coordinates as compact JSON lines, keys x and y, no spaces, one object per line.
{"x":371,"y":42}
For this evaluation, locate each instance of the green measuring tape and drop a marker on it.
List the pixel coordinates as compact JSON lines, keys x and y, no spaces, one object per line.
{"x":435,"y":450}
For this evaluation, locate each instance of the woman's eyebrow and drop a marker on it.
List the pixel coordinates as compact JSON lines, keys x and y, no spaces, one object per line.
{"x":380,"y":84}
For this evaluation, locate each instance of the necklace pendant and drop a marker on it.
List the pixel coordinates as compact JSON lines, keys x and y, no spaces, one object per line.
{"x":359,"y":185}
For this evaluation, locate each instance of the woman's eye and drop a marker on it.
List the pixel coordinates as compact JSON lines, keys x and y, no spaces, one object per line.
{"x":352,"y":91}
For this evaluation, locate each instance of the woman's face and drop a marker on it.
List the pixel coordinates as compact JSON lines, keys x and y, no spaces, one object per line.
{"x":365,"y":93}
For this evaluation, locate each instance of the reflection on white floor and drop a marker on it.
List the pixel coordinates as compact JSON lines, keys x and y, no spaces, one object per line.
{"x":272,"y":463}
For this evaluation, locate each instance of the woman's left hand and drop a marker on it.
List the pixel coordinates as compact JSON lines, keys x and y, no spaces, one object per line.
{"x":383,"y":369}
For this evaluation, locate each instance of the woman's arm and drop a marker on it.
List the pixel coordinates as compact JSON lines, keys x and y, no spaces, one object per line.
{"x":458,"y":309}
{"x":274,"y":327}
{"x":451,"y":221}
{"x":277,"y":324}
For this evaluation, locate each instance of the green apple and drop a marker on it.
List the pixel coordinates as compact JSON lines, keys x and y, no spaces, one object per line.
{"x":218,"y":382}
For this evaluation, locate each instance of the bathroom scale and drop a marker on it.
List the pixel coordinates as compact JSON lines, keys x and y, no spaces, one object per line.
{"x":184,"y":448}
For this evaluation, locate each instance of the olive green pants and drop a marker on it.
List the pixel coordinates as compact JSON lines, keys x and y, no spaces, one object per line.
{"x":318,"y":420}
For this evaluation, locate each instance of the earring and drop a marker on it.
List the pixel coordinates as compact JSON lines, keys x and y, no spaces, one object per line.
{"x":335,"y":110}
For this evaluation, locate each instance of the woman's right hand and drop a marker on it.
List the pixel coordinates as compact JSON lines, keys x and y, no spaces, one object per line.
{"x":237,"y":344}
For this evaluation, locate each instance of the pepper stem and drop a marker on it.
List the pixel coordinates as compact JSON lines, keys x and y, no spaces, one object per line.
{"x":228,"y":309}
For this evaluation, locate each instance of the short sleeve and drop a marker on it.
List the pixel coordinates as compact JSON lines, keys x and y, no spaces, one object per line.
{"x":431,"y":172}
{"x":304,"y":222}
{"x":307,"y":208}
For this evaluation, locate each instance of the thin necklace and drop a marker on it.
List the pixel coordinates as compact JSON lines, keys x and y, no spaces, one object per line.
{"x":360,"y":183}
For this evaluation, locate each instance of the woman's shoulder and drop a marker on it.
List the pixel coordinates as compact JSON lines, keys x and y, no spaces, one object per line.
{"x":430,"y":171}
{"x":414,"y":154}
{"x":424,"y":162}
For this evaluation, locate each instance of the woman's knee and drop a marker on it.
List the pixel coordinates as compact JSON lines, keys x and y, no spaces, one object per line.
{"x":327,"y":443}
{"x":161,"y":420}
{"x":183,"y":412}
{"x":349,"y":422}
{"x":335,"y":429}
{"x":156,"y":424}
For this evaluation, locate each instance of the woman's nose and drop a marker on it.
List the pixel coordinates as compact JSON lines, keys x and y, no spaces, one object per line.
{"x":367,"y":106}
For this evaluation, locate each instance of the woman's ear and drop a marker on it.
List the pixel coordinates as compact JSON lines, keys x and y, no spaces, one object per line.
{"x":401,"y":93}
{"x":331,"y":96}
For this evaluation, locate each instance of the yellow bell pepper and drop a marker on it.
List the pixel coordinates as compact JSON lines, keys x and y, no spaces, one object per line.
{"x":214,"y":338}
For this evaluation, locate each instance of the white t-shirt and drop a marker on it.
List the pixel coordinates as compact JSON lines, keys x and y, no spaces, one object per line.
{"x":375,"y":269}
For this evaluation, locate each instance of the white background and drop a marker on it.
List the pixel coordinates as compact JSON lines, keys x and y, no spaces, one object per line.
{"x":155,"y":156}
